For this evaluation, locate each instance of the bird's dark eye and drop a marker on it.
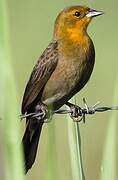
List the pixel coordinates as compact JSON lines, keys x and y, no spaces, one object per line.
{"x":77,"y":14}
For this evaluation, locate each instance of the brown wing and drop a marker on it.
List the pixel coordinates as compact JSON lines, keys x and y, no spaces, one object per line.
{"x":40,"y":75}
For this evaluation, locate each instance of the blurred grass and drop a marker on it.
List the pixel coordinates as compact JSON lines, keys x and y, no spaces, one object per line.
{"x":13,"y":167}
{"x":109,"y":161}
{"x":51,"y":154}
{"x":74,"y":150}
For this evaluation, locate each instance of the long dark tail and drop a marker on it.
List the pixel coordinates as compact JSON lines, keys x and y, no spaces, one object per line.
{"x":30,"y":144}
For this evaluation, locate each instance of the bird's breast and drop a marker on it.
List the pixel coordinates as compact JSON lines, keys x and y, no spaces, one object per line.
{"x":73,"y":70}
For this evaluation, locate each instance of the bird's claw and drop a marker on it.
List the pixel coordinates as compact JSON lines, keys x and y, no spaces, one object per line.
{"x":78,"y":113}
{"x":75,"y":112}
{"x":42,"y":113}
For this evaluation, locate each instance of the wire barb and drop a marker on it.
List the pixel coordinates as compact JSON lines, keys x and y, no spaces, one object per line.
{"x":82,"y":112}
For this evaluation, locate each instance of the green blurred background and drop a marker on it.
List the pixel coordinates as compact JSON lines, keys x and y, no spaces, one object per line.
{"x":31,"y":28}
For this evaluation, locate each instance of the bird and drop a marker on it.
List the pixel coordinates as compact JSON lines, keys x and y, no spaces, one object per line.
{"x":61,"y":71}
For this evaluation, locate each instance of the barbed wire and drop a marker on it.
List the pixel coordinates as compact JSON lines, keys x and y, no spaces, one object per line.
{"x":77,"y":113}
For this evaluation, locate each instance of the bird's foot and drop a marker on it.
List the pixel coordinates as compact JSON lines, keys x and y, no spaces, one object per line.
{"x":76,"y":112}
{"x":42,"y":113}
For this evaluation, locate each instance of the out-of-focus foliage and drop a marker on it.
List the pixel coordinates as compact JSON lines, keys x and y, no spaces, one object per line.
{"x":12,"y":166}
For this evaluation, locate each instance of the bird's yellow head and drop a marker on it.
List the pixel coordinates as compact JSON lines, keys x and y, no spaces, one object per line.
{"x":74,"y":20}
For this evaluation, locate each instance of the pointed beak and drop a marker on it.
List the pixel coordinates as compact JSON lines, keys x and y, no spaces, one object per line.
{"x":94,"y":13}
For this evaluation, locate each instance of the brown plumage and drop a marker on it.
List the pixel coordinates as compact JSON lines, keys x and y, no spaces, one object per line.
{"x":62,"y":70}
